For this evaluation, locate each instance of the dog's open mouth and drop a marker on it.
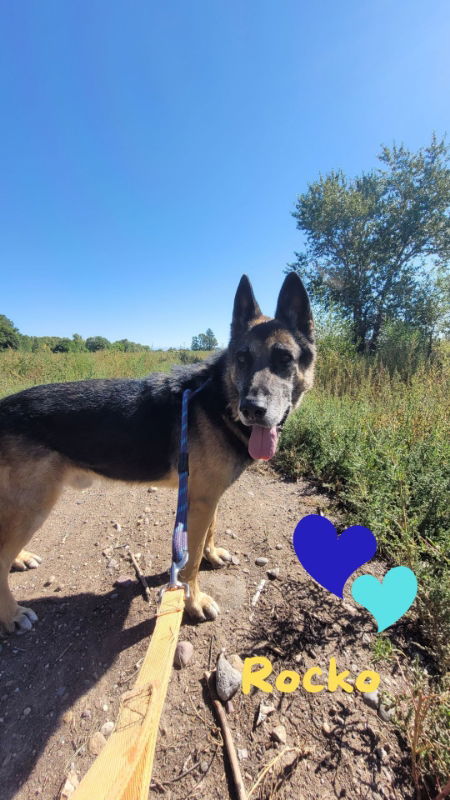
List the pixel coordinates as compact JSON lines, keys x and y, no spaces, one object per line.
{"x":263,"y":442}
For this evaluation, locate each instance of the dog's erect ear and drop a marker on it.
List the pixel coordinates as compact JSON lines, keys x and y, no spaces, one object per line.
{"x":293,"y":308}
{"x":245,"y":308}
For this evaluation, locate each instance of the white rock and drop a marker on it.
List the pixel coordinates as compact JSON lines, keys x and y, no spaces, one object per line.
{"x":69,"y":786}
{"x":261,"y":561}
{"x":228,"y":679}
{"x":107,"y":729}
{"x":279,"y":734}
{"x":242,"y":753}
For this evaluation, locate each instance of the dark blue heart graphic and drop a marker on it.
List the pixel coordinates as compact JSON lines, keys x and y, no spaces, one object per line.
{"x":329,"y":558}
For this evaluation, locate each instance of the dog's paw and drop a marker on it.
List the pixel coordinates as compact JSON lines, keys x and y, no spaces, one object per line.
{"x":26,"y":560}
{"x":21,"y":622}
{"x":217,"y":557}
{"x":201,"y":607}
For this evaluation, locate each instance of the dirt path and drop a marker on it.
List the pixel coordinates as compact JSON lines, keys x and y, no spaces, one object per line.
{"x":60,"y":683}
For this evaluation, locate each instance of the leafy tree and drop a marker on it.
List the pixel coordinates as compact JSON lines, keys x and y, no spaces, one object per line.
{"x":63,"y":345}
{"x":374,"y":243}
{"x":95,"y":343}
{"x":9,"y":334}
{"x":204,"y":341}
{"x":78,"y":344}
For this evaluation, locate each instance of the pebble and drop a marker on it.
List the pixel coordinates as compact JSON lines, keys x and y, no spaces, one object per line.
{"x":113,"y":564}
{"x":69,"y":786}
{"x":386,"y":712}
{"x":326,"y":728}
{"x":279,"y":734}
{"x":246,"y":571}
{"x":366,"y":638}
{"x":153,"y":489}
{"x":107,"y":728}
{"x":26,"y":711}
{"x":86,"y":714}
{"x":183,"y":654}
{"x":147,"y":510}
{"x":350,"y":610}
{"x":117,"y":526}
{"x":96,"y":743}
{"x":235,"y":561}
{"x":273,"y":573}
{"x":261,"y":561}
{"x":278,"y":546}
{"x":263,"y":712}
{"x":228,"y":679}
{"x":50,"y":580}
{"x":381,"y":753}
{"x":371,"y":699}
{"x":68,"y":717}
{"x":242,"y":753}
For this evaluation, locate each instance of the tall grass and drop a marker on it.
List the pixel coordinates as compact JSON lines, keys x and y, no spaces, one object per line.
{"x":19,"y":370}
{"x":379,"y":439}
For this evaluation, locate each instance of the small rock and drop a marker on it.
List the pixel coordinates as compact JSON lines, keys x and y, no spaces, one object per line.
{"x":326,"y":728}
{"x":236,"y":662}
{"x":153,"y":489}
{"x":386,"y":712}
{"x":86,"y":714}
{"x":183,"y":654}
{"x":50,"y":580}
{"x":242,"y":753}
{"x":117,"y":526}
{"x":107,"y":728}
{"x":261,"y":561}
{"x":96,"y":743}
{"x":371,"y":699}
{"x":228,"y":679}
{"x":279,"y":734}
{"x":246,"y":571}
{"x":69,"y":786}
{"x":204,"y":766}
{"x":113,"y":564}
{"x":228,"y":531}
{"x":350,"y":609}
{"x":278,"y":546}
{"x":263,"y":712}
{"x":273,"y":573}
{"x":26,"y":711}
{"x":147,"y":510}
{"x":105,"y":707}
{"x":381,"y":753}
{"x":235,"y":561}
{"x":366,"y":638}
{"x":229,"y":707}
{"x":59,"y":587}
{"x":67,"y":717}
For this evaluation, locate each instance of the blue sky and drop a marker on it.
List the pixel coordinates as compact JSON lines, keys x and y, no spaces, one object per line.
{"x":152,"y":152}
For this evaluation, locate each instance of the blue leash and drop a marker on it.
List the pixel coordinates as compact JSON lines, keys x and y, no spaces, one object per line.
{"x":180,"y":553}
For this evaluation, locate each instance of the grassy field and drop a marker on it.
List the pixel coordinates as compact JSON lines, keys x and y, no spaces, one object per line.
{"x":379,"y":441}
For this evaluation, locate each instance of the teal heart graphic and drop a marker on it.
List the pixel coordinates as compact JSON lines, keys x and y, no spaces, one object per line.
{"x":389,"y":600}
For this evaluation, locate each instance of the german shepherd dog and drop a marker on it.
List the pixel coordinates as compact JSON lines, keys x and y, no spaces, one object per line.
{"x":128,"y":430}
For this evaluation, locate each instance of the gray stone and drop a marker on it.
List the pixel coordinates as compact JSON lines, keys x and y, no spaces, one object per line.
{"x":183,"y":654}
{"x":228,"y":679}
{"x":261,"y":561}
{"x":242,"y":753}
{"x":386,"y":712}
{"x":235,"y":561}
{"x":371,"y":699}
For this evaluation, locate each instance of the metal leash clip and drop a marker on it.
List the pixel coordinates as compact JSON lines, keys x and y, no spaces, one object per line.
{"x":180,"y":556}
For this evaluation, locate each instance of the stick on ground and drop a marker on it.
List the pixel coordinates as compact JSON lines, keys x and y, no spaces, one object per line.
{"x":140,"y":575}
{"x":241,"y":793}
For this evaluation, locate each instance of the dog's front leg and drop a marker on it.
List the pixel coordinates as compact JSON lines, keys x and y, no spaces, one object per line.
{"x":201,"y":515}
{"x":216,"y":556}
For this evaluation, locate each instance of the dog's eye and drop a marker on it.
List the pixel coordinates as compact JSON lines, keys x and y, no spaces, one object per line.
{"x":284,"y":357}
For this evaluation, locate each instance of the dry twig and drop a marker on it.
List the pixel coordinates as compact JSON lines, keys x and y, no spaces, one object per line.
{"x":140,"y":575}
{"x":228,"y":739}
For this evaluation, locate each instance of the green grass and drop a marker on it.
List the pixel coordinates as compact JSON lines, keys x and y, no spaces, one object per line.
{"x":381,"y":444}
{"x":19,"y":370}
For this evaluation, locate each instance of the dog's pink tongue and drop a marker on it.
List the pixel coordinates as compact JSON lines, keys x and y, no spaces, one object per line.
{"x":263,"y":442}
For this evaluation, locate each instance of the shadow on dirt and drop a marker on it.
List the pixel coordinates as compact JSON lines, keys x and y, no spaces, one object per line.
{"x":77,"y":639}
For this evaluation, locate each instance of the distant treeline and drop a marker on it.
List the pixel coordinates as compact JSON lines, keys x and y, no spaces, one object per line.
{"x":12,"y":339}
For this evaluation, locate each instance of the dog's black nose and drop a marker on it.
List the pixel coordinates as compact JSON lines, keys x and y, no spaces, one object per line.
{"x":253,"y":410}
